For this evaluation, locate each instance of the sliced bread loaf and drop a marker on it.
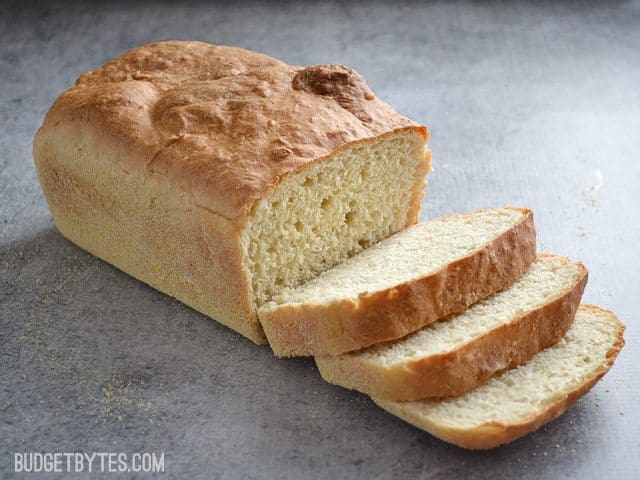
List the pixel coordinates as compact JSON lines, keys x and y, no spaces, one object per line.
{"x":407,"y":281}
{"x":521,"y":400}
{"x":451,"y":357}
{"x":221,"y":176}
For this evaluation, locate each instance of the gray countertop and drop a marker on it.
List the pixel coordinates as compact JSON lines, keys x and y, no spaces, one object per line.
{"x":532,"y":106}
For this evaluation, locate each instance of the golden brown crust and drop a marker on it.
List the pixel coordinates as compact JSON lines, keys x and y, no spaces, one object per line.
{"x":222,"y":123}
{"x":459,"y":371}
{"x":493,"y":434}
{"x":347,"y":325}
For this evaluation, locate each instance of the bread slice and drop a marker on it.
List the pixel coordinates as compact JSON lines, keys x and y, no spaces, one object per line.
{"x":454,"y":356}
{"x":521,"y":400}
{"x":403,"y":283}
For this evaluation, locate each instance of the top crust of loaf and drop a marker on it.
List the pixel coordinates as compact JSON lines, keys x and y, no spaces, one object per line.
{"x":222,"y":123}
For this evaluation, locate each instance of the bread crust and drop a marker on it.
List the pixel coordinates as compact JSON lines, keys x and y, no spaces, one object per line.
{"x":458,"y":371}
{"x":493,"y":434}
{"x":347,"y":325}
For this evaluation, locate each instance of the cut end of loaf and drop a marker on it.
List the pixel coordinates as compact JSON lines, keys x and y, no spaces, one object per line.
{"x":320,"y":216}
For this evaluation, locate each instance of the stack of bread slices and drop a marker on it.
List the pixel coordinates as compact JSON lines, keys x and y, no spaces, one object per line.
{"x":283,"y":201}
{"x":455,"y":325}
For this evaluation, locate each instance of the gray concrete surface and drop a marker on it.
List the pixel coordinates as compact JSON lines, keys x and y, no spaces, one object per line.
{"x":536,"y":106}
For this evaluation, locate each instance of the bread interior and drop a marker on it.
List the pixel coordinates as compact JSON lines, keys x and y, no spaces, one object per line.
{"x":320,"y":216}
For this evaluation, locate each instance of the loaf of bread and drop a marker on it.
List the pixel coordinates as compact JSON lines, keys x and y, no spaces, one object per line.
{"x":409,"y":280}
{"x":222,"y":176}
{"x":523,"y":399}
{"x":251,"y":190}
{"x":460,"y":353}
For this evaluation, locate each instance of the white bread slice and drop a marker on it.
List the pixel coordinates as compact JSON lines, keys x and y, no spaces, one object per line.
{"x":454,"y":356}
{"x":521,"y":400}
{"x":407,"y":281}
